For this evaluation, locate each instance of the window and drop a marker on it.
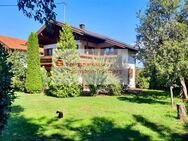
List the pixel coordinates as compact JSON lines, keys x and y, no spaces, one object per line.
{"x":48,"y":52}
{"x":89,"y":50}
{"x":108,"y":51}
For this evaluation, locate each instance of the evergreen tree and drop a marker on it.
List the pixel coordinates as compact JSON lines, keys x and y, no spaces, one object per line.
{"x":33,"y":75}
{"x":6,"y":91}
{"x":65,"y":79}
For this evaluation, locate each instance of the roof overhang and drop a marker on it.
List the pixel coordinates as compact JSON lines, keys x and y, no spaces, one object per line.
{"x":84,"y":32}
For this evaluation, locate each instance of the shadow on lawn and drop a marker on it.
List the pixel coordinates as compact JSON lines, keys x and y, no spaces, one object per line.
{"x":24,"y":129}
{"x":102,"y":129}
{"x":164,"y":132}
{"x":98,"y":129}
{"x":149,"y":97}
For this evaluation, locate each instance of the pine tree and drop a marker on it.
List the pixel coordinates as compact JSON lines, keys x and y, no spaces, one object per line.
{"x":6,"y":91}
{"x":65,"y":79}
{"x":33,"y":74}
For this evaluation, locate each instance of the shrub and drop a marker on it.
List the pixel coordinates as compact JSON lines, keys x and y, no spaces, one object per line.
{"x":113,"y":85}
{"x":33,"y":75}
{"x":6,"y":91}
{"x":114,"y":89}
{"x":17,"y":60}
{"x":63,"y":91}
{"x":142,"y":80}
{"x":45,"y":78}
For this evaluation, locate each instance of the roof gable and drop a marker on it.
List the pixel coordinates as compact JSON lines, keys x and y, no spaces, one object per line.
{"x":92,"y":34}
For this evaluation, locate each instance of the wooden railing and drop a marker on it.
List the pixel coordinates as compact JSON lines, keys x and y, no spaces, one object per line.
{"x":90,"y":56}
{"x":46,"y":61}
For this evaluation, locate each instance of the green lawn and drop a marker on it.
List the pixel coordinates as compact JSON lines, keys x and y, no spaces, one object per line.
{"x":103,"y":118}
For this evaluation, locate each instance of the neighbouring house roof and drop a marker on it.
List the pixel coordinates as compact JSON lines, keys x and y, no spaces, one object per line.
{"x":93,"y":34}
{"x":15,"y":43}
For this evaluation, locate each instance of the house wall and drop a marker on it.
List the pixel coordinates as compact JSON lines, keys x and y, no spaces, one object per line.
{"x":132,"y":65}
{"x":49,"y":46}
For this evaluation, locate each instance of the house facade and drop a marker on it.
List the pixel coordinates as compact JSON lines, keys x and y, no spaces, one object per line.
{"x":89,"y":44}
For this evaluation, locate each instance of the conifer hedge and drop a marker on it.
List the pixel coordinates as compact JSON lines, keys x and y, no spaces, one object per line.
{"x":6,"y":91}
{"x":33,"y":75}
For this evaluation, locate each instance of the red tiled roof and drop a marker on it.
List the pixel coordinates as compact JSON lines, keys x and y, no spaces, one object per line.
{"x":14,"y":43}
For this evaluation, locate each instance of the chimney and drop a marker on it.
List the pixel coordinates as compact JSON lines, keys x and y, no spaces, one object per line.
{"x":82,"y":26}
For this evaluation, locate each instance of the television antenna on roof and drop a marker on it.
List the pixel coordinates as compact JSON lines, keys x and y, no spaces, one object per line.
{"x":64,"y":9}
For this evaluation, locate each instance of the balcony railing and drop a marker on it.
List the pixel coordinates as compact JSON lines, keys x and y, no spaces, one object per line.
{"x":90,"y":56}
{"x":47,"y":60}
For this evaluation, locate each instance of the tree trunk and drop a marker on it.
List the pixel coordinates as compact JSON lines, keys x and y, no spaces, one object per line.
{"x":182,"y":81}
{"x":181,"y":111}
{"x":171,"y":96}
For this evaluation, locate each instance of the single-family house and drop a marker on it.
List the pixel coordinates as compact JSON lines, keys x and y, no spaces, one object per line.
{"x":88,"y":41}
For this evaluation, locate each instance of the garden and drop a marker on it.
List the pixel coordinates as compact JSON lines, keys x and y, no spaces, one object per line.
{"x":38,"y":105}
{"x":128,"y":117}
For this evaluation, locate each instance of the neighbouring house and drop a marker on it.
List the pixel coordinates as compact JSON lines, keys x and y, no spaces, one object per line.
{"x":88,"y":41}
{"x":15,"y":44}
{"x":10,"y":43}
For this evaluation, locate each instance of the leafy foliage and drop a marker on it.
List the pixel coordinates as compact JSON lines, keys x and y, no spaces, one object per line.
{"x":45,"y":78}
{"x":17,"y":59}
{"x":158,"y":25}
{"x":6,"y":91}
{"x":33,"y":73}
{"x":62,"y":91}
{"x":40,"y":10}
{"x":65,"y":79}
{"x":112,"y":85}
{"x":142,"y":80}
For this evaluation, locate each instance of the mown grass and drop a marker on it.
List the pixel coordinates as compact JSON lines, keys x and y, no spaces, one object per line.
{"x":145,"y":117}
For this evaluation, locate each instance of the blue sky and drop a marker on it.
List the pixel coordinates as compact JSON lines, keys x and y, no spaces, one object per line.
{"x":114,"y":18}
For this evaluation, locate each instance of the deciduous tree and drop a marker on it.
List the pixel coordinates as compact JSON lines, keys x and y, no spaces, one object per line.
{"x":40,"y":10}
{"x":159,"y":27}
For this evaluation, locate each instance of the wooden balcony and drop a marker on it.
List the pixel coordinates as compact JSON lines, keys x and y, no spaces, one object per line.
{"x":46,"y":61}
